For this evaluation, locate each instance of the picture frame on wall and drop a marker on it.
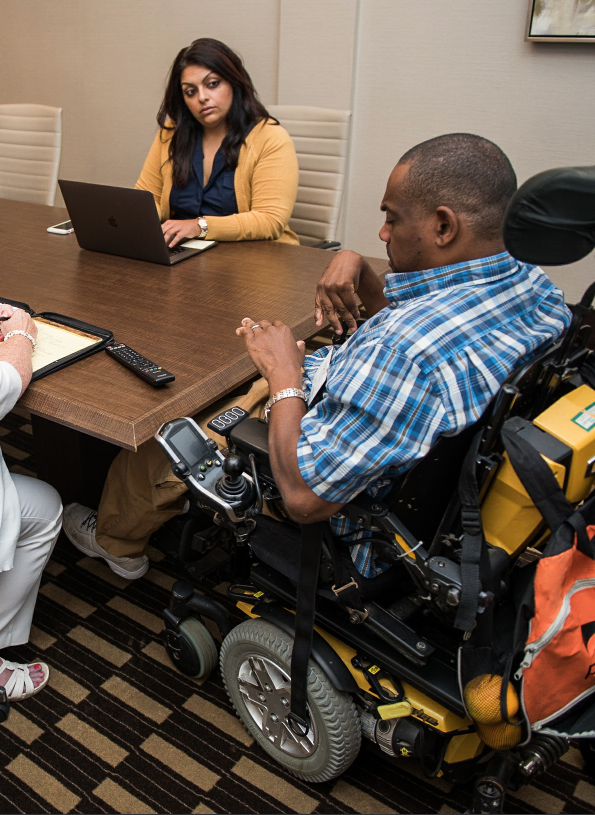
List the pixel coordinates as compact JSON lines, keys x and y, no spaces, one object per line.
{"x":561,"y":21}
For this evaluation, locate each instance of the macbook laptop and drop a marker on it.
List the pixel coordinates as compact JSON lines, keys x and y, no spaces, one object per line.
{"x":120,"y":221}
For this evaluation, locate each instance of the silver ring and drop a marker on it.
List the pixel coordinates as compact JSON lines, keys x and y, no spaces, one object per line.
{"x":256,"y":326}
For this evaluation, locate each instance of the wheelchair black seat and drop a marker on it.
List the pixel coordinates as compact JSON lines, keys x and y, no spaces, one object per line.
{"x":278,"y":545}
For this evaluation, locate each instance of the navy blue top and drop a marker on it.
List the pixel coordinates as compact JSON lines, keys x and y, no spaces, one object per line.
{"x":217,"y":198}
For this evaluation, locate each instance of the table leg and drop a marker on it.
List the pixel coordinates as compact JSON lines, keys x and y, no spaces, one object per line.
{"x":75,"y":463}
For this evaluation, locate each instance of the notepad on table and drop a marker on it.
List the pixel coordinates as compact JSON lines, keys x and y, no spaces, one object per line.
{"x":55,"y":342}
{"x":197,"y":243}
{"x":61,"y":340}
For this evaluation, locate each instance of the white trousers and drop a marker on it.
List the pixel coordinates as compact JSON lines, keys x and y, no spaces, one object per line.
{"x":41,"y":521}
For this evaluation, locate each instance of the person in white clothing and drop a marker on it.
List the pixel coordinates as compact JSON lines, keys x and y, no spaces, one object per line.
{"x":30,"y":518}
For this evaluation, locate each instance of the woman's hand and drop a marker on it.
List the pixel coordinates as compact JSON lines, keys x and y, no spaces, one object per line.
{"x":19,"y":320}
{"x":274,"y":351}
{"x":18,"y":350}
{"x":176,"y":231}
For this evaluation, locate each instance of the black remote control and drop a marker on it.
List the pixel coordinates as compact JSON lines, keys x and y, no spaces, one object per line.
{"x":139,"y":365}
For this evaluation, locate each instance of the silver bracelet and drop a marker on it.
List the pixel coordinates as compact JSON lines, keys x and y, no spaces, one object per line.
{"x":18,"y":332}
{"x":284,"y":394}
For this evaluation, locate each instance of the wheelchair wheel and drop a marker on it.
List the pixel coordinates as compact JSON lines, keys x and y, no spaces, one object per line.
{"x":193,"y":649}
{"x":255,"y":665}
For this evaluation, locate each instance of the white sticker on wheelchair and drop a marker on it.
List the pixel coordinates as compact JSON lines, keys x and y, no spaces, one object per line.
{"x":319,"y":380}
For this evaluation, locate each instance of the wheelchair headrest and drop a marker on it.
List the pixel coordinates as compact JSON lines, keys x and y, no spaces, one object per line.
{"x":550,"y":219}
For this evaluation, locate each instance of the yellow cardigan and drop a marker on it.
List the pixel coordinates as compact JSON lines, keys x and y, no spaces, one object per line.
{"x":265,"y":183}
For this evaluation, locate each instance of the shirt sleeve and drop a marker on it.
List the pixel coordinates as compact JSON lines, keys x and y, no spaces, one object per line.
{"x":273,"y":188}
{"x":151,"y":177}
{"x":372,"y":423}
{"x":10,"y":388}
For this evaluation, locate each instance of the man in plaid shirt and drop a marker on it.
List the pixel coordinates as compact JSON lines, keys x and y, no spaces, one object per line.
{"x":456,"y":315}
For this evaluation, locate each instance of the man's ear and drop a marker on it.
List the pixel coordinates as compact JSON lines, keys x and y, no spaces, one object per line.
{"x":447,"y":226}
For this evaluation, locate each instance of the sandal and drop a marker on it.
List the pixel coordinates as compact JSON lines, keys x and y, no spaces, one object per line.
{"x":20,"y":685}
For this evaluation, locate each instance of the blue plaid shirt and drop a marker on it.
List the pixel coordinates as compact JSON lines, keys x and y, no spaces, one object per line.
{"x":427,"y":365}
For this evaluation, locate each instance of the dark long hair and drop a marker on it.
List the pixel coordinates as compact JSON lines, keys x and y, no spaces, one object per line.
{"x":246,"y":109}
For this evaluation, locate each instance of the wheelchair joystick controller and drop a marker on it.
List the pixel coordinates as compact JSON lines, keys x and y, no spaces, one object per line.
{"x":233,"y":487}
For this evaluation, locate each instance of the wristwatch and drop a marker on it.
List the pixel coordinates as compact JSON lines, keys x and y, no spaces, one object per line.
{"x":204,"y":227}
{"x":284,"y":394}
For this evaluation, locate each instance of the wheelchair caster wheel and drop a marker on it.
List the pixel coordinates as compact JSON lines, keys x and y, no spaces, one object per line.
{"x":191,"y":648}
{"x":255,"y":665}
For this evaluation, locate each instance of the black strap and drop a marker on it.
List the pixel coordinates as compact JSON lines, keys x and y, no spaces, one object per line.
{"x":310,"y":552}
{"x":473,"y":556}
{"x":543,"y":489}
{"x":537,"y":479}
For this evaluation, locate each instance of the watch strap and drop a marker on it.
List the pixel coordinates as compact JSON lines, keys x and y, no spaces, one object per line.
{"x":286,"y":393}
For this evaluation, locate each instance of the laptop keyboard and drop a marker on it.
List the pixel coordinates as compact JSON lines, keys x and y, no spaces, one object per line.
{"x":176,"y":250}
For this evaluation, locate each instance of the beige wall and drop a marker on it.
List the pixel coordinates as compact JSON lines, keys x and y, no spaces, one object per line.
{"x":430,"y":67}
{"x":409,"y":71}
{"x":105,"y":64}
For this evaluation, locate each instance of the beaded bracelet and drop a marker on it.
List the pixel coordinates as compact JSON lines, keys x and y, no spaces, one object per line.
{"x":18,"y":332}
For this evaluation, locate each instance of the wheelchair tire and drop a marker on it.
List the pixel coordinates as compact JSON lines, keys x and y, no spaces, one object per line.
{"x":194,"y":652}
{"x":255,"y":665}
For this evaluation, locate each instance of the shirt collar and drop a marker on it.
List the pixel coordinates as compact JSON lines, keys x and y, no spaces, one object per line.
{"x":403,"y":286}
{"x":218,"y":163}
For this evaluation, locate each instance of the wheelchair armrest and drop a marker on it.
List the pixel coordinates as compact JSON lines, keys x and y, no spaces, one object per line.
{"x":252,"y":436}
{"x":334,"y":245}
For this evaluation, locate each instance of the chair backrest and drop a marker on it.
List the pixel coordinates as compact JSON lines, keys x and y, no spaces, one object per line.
{"x":427,"y":494}
{"x":321,"y":137}
{"x":30,"y":145}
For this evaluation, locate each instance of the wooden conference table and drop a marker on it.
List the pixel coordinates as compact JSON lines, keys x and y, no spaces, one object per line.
{"x":183,"y":317}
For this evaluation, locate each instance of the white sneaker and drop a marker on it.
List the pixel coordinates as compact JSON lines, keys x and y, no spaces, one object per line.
{"x":79,"y":524}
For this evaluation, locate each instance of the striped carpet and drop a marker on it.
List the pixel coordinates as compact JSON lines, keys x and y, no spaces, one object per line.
{"x":118,"y":729}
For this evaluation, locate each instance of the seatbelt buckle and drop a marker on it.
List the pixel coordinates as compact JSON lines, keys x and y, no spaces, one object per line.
{"x":471,"y":520}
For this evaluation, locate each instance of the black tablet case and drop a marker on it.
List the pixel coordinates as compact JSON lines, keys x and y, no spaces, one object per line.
{"x":105,"y":336}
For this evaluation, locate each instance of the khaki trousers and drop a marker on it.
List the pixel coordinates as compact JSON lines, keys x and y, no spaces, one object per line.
{"x":141,"y":493}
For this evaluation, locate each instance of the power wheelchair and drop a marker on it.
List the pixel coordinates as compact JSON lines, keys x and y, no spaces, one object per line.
{"x":325,"y":656}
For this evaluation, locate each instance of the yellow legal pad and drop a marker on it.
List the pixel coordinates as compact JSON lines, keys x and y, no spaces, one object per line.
{"x":56,"y":342}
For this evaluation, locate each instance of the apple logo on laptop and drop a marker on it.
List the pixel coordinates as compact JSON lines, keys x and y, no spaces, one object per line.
{"x":112,"y":221}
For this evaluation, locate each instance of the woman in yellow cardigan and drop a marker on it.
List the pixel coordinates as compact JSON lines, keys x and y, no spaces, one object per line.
{"x":220,"y":167}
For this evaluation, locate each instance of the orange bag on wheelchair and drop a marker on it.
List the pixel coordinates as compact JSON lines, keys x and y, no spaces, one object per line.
{"x":556,"y":619}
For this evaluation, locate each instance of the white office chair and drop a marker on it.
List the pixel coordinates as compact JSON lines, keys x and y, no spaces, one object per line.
{"x":30,"y":145}
{"x":321,"y":137}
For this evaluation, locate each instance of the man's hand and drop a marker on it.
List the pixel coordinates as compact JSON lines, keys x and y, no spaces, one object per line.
{"x":347,"y":275}
{"x":274,"y":351}
{"x":176,"y":231}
